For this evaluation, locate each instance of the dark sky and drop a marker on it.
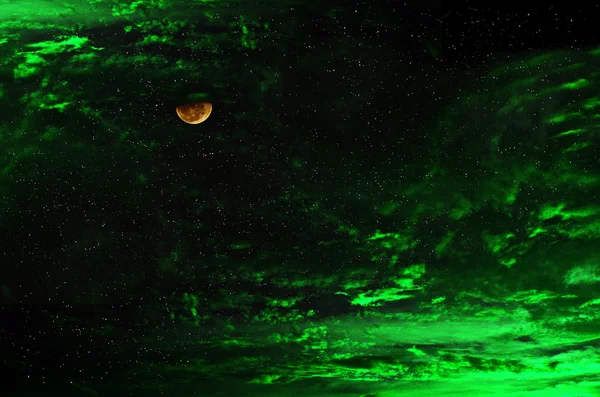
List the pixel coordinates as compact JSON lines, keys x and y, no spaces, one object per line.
{"x":387,"y":200}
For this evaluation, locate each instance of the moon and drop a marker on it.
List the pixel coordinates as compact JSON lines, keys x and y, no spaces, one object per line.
{"x":194,"y":113}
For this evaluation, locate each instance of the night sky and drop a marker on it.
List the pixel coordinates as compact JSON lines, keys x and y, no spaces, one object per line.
{"x":388,"y":200}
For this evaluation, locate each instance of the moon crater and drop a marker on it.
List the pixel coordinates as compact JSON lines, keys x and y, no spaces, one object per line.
{"x":194,"y":113}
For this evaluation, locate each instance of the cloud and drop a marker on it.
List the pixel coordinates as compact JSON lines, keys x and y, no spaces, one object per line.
{"x":586,"y":274}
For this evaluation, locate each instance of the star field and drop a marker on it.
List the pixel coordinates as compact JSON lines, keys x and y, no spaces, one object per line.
{"x":387,"y":200}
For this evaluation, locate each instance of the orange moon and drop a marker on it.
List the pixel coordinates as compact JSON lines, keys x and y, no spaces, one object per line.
{"x":194,"y":113}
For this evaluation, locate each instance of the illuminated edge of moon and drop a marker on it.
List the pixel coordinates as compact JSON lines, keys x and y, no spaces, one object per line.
{"x":181,"y":115}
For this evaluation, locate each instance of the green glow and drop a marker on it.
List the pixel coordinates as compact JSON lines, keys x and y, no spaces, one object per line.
{"x":153,"y":38}
{"x":444,"y":244}
{"x":578,"y":146}
{"x":561,"y":118}
{"x":588,"y":274}
{"x":575,"y":84}
{"x":248,"y":38}
{"x":591,"y":303}
{"x":428,"y":250}
{"x":591,"y":103}
{"x":571,"y":132}
{"x":508,"y":262}
{"x":378,"y":235}
{"x":198,"y":96}
{"x":417,"y":352}
{"x":549,"y":212}
{"x":499,"y":243}
{"x":375,"y":298}
{"x":537,"y":231}
{"x":387,"y":208}
{"x":242,"y":245}
{"x":64,"y":44}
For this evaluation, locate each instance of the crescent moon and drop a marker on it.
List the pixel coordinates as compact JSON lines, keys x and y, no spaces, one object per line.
{"x":194,"y":113}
